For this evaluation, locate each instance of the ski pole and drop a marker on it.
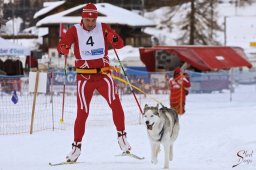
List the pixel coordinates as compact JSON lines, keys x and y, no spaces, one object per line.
{"x":131,"y":88}
{"x":64,"y":89}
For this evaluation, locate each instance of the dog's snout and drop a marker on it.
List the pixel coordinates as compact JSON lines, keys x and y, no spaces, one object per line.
{"x":147,"y":122}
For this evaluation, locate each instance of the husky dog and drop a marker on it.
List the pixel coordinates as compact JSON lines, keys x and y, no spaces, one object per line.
{"x":163,"y":128}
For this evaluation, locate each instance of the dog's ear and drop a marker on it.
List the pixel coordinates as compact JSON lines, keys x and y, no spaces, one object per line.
{"x":157,"y":105}
{"x":156,"y":112}
{"x":145,"y":108}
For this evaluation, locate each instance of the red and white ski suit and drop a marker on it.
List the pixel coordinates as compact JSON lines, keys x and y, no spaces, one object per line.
{"x":91,"y":51}
{"x":178,"y":89}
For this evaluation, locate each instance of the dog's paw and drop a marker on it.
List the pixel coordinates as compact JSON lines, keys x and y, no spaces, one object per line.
{"x":154,"y":161}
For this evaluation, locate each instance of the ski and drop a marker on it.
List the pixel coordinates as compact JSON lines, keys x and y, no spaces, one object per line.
{"x":131,"y":155}
{"x":63,"y":163}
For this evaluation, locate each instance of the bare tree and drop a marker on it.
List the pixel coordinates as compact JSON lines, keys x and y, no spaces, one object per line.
{"x":1,"y":9}
{"x":244,"y":2}
{"x":2,"y":20}
{"x":200,"y":25}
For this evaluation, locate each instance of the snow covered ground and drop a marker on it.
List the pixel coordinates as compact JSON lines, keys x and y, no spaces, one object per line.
{"x":213,"y":131}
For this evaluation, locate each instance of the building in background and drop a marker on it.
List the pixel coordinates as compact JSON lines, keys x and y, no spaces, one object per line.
{"x":128,"y":24}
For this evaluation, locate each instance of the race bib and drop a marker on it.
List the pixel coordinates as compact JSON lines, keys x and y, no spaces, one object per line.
{"x":91,"y":43}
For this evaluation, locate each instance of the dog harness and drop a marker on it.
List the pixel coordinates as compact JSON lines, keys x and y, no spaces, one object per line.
{"x":97,"y":70}
{"x":161,"y":133}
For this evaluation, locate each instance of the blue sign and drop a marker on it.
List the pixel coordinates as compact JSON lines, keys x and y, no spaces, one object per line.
{"x":60,"y":76}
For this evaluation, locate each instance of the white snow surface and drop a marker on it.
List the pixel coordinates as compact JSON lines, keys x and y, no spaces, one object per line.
{"x":212,"y":132}
{"x":10,"y":29}
{"x":111,"y":14}
{"x":48,"y":6}
{"x":129,"y":55}
{"x":124,"y":53}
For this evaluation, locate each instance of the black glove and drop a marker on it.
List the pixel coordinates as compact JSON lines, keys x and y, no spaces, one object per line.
{"x":111,"y":38}
{"x":115,"y":39}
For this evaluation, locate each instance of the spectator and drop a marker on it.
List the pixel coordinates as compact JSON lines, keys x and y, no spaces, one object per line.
{"x":9,"y":66}
{"x":1,"y":65}
{"x":18,"y":67}
{"x":31,"y":62}
{"x":179,"y":85}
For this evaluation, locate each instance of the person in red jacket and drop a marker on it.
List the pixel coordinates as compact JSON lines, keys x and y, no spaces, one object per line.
{"x":90,"y":39}
{"x":179,"y":85}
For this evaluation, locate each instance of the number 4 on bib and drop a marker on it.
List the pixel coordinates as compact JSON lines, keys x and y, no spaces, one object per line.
{"x":90,"y":41}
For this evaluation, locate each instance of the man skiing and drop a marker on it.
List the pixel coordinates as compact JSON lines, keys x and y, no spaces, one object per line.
{"x":179,"y":85}
{"x":90,"y":39}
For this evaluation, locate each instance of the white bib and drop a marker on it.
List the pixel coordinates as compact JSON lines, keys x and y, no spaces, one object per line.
{"x":91,"y":43}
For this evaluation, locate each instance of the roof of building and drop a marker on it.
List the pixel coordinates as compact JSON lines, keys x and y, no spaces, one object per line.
{"x":48,"y":6}
{"x":109,"y":14}
{"x":204,"y":58}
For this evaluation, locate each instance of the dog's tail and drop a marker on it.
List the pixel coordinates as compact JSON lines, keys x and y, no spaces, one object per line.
{"x":163,"y":106}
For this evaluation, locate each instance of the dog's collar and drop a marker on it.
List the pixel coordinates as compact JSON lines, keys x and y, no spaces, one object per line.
{"x":161,"y":134}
